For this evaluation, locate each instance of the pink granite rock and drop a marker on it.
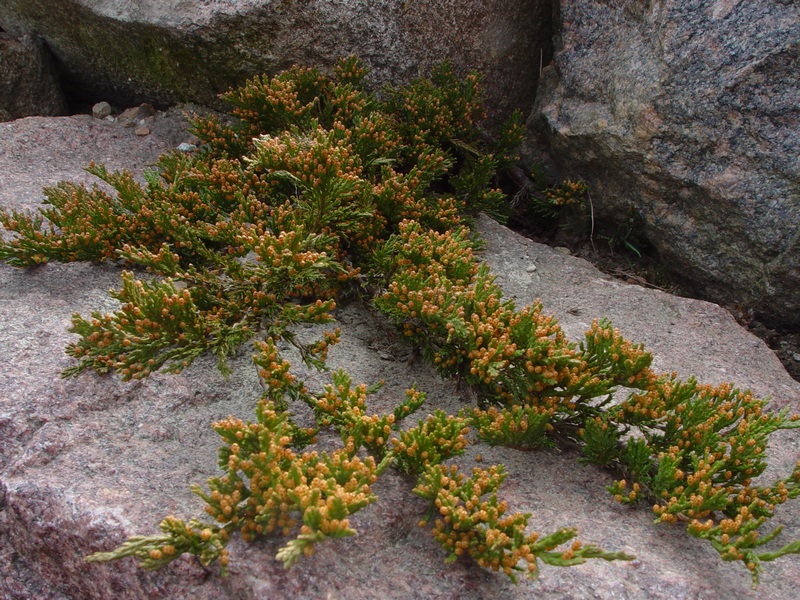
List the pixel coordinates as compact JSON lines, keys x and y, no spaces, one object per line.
{"x":87,"y":462}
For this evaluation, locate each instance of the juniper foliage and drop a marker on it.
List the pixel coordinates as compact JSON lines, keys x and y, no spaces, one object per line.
{"x":316,"y":189}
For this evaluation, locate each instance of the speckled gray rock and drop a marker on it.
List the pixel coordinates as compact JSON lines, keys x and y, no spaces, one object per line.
{"x":28,"y":81}
{"x":127,"y":52}
{"x":89,"y":461}
{"x":101,"y":110}
{"x":39,"y":151}
{"x":688,"y":110}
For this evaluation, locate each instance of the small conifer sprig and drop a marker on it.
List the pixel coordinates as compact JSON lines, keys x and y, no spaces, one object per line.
{"x":432,"y":441}
{"x":86,"y":224}
{"x":206,"y":542}
{"x":268,"y":487}
{"x":156,"y":325}
{"x":517,"y":426}
{"x":479,"y":527}
{"x":344,"y":407}
{"x":438,"y":110}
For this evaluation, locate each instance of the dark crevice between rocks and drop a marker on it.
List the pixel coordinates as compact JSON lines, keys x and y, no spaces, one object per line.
{"x":785,"y":344}
{"x":78,"y":100}
{"x":641,"y":266}
{"x":60,"y":77}
{"x":645,"y":268}
{"x":547,"y":52}
{"x":81,"y":99}
{"x":82,"y":96}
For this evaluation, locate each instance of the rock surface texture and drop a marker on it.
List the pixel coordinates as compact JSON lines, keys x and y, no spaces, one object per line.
{"x":178,"y":50}
{"x":86,"y":462}
{"x":689,"y":111}
{"x":28,"y":82}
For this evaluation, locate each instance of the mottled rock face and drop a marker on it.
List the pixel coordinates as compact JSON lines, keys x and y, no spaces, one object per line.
{"x":128,"y":52}
{"x":28,"y":81}
{"x":87,"y":462}
{"x":689,"y":111}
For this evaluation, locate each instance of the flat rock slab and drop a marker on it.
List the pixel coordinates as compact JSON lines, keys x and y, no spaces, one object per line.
{"x":89,"y":461}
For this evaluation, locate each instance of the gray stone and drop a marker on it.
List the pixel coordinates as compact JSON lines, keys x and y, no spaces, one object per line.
{"x":180,"y":50}
{"x":140,"y":112}
{"x":186,"y":147}
{"x":101,"y":110}
{"x":688,"y":111}
{"x":89,"y":461}
{"x":28,"y":82}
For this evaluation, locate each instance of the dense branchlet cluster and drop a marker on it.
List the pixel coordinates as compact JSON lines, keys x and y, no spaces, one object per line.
{"x":698,"y":452}
{"x":314,"y":190}
{"x":476,"y":526}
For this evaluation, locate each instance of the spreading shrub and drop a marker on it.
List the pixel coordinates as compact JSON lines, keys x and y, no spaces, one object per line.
{"x":315,"y":190}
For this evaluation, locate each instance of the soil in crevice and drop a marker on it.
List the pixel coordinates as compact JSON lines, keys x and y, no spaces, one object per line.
{"x":642,"y":267}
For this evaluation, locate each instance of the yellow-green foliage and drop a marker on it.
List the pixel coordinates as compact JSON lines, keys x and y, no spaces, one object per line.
{"x":316,"y":189}
{"x":480,"y":528}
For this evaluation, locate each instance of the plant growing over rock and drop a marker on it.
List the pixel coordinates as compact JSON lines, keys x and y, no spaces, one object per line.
{"x":317,"y":190}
